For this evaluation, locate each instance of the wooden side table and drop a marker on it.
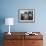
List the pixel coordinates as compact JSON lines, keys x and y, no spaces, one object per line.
{"x":20,"y":39}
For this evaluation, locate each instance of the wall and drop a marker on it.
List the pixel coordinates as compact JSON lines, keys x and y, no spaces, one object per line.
{"x":9,"y":8}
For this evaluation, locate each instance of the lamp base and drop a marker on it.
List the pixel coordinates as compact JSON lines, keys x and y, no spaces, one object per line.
{"x":9,"y":33}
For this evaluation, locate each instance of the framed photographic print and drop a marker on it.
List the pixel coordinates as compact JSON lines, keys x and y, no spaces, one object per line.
{"x":26,"y":15}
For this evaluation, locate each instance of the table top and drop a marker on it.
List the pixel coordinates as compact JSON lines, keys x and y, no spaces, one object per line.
{"x":22,"y":35}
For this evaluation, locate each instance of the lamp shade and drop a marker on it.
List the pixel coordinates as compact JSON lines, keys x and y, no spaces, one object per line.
{"x":9,"y":21}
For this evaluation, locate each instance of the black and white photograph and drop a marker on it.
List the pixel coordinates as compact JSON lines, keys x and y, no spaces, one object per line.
{"x":26,"y":15}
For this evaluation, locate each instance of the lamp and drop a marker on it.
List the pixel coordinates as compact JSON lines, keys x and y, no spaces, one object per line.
{"x":9,"y":21}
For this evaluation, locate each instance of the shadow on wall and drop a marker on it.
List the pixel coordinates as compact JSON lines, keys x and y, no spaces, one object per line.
{"x":2,"y":21}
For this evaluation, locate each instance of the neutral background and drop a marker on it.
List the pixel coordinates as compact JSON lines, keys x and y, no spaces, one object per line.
{"x":9,"y":8}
